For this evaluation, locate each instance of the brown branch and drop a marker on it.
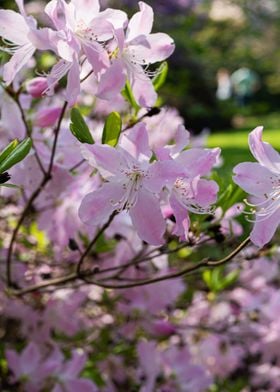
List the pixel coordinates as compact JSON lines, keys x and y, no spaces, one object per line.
{"x":93,"y":242}
{"x":84,"y":275}
{"x":33,"y":197}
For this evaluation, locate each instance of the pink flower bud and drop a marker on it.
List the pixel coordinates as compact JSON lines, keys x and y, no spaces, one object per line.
{"x":35,"y":87}
{"x":47,"y":117}
{"x":163,"y":328}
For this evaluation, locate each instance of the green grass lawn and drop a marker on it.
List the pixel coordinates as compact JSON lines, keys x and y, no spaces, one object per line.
{"x":234,"y":144}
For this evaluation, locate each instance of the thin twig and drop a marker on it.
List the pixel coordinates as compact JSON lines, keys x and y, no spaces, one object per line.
{"x":33,"y":197}
{"x":93,"y":242}
{"x":83,"y":276}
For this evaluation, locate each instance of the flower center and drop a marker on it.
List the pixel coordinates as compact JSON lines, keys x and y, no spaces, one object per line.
{"x":267,"y":207}
{"x":185,"y":194}
{"x":131,"y":185}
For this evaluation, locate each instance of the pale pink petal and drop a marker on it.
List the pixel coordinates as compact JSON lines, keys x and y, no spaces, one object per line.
{"x":198,"y":161}
{"x":206,"y":192}
{"x":13,"y":27}
{"x":97,"y":206}
{"x":234,"y":211}
{"x":61,"y":14}
{"x":13,"y":362}
{"x":264,"y":230}
{"x":263,"y":151}
{"x":73,"y":84}
{"x":162,"y":173}
{"x":17,"y":62}
{"x":75,"y":365}
{"x":254,"y":178}
{"x":182,"y":226}
{"x":97,"y":56}
{"x":81,"y":385}
{"x":147,"y":218}
{"x":111,"y":81}
{"x":117,"y":18}
{"x":20,"y":4}
{"x":86,"y":10}
{"x":104,"y":157}
{"x":143,"y":89}
{"x":58,"y":71}
{"x":182,"y":139}
{"x":65,"y":51}
{"x":141,"y":23}
{"x":30,"y":358}
{"x":152,"y":48}
{"x":136,"y":142}
{"x":11,"y":119}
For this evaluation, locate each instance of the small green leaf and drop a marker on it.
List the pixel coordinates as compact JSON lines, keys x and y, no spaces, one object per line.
{"x":160,"y":78}
{"x":79,"y":128}
{"x":128,"y":95}
{"x":10,"y":186}
{"x":112,"y":129}
{"x":16,"y":155}
{"x":7,"y":150}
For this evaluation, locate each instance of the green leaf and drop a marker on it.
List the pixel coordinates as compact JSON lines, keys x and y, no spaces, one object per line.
{"x":160,"y":78}
{"x":10,"y":186}
{"x":128,"y":95}
{"x":7,"y":150}
{"x":16,"y":155}
{"x":112,"y":129}
{"x":79,"y":128}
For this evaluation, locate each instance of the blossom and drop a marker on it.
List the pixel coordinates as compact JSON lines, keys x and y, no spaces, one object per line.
{"x":189,"y":192}
{"x":135,"y":51}
{"x":130,"y":186}
{"x":83,"y":31}
{"x":22,"y":38}
{"x":262,"y":181}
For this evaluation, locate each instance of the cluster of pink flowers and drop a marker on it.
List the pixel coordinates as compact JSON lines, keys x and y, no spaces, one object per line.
{"x":87,"y":40}
{"x":94,"y":234}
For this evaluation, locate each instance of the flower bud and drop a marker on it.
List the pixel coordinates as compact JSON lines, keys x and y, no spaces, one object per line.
{"x":35,"y":87}
{"x":47,"y":117}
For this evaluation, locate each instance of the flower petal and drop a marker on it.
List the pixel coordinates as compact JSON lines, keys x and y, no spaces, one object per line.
{"x":263,"y":151}
{"x":104,"y":157}
{"x":147,"y":218}
{"x":143,"y":88}
{"x":86,"y":10}
{"x":198,"y":161}
{"x":152,"y":48}
{"x":97,"y":206}
{"x":111,"y":81}
{"x":73,"y":83}
{"x":181,"y":228}
{"x":264,"y":230}
{"x":13,"y":27}
{"x":17,"y":62}
{"x":206,"y":192}
{"x":136,"y":142}
{"x":141,"y":23}
{"x":253,"y":178}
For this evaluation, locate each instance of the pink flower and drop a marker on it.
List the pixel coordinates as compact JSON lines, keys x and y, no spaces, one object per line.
{"x":129,"y":186}
{"x":15,"y":29}
{"x":29,"y":367}
{"x":133,"y":54}
{"x":189,"y":192}
{"x":83,"y":30}
{"x":262,"y":181}
{"x":22,"y":38}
